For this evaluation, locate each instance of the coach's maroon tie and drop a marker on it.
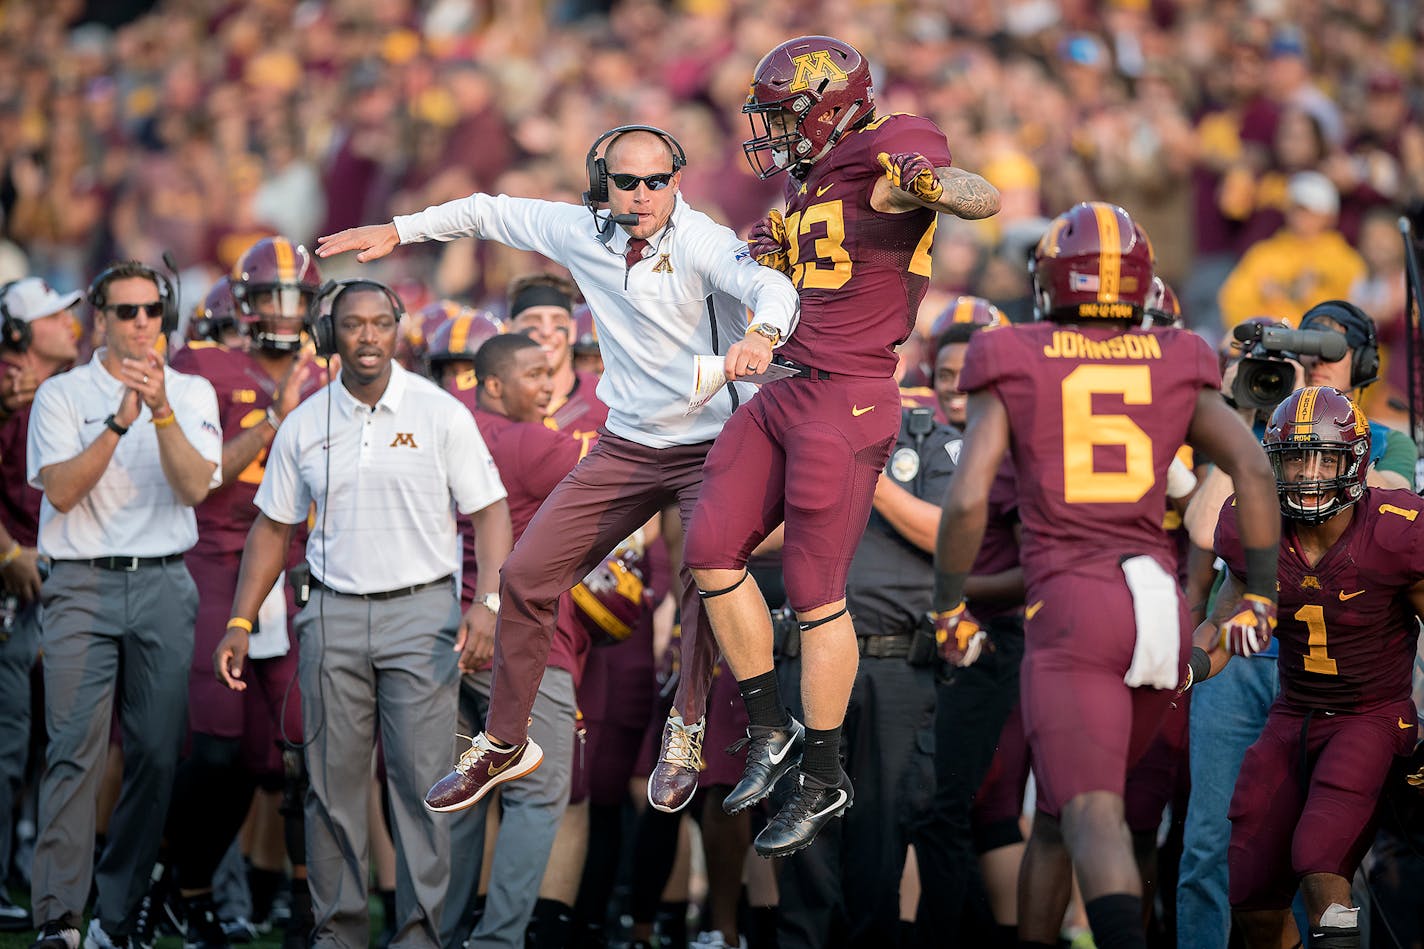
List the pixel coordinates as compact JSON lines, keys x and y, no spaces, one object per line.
{"x":634,"y":253}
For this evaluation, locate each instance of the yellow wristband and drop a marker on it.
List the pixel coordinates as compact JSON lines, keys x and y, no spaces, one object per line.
{"x":237,"y":622}
{"x":166,"y":421}
{"x":11,"y":555}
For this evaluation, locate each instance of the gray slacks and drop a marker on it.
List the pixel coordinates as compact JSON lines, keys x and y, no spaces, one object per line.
{"x":530,"y":812}
{"x":368,"y":665}
{"x":108,"y":634}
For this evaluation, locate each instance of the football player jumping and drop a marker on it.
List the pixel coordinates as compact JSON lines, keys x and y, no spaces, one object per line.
{"x":1351,"y":582}
{"x":862,"y":198}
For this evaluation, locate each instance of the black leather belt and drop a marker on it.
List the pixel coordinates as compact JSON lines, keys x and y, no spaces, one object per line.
{"x":885,"y":647}
{"x":126,"y":564}
{"x":384,"y":594}
{"x":803,"y":371}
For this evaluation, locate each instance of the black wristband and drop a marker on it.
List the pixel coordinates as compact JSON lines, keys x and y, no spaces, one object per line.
{"x":1261,"y":571}
{"x":1200,"y":664}
{"x":115,"y":427}
{"x":948,"y":590}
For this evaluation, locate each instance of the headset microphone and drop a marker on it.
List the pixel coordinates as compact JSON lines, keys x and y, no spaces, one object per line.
{"x":628,"y":220}
{"x":177,"y":293}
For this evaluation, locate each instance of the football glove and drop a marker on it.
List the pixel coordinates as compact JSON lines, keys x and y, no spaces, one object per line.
{"x":768,"y":242}
{"x":1249,"y":629}
{"x":913,"y":174}
{"x":958,"y":636}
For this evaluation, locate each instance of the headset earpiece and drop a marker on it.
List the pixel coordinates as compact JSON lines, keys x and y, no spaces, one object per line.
{"x":15,"y":334}
{"x":320,"y":324}
{"x":96,"y":297}
{"x":597,"y":167}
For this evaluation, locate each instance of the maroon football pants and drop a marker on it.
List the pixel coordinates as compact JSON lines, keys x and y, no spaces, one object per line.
{"x":613,"y":491}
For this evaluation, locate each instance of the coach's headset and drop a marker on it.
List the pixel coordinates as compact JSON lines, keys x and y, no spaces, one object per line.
{"x":97,"y":294}
{"x":597,"y":167}
{"x":320,"y":324}
{"x":1360,"y":334}
{"x":15,"y":333}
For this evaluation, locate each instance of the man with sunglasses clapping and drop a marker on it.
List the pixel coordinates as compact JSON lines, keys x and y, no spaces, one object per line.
{"x":123,"y":448}
{"x":665,"y":283}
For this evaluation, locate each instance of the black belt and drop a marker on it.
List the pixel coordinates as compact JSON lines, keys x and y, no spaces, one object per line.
{"x":803,"y":371}
{"x":384,"y":594}
{"x":895,"y":646}
{"x":126,"y":564}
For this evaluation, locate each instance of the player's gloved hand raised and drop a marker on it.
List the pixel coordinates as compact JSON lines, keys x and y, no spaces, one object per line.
{"x":768,"y":244}
{"x":1249,"y":629}
{"x":958,"y":636}
{"x":912,"y":173}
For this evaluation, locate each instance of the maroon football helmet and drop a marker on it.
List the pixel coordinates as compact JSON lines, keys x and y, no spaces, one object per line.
{"x":1094,"y":263}
{"x":585,"y":333}
{"x":1318,"y":442}
{"x":416,"y":332}
{"x":824,"y":84}
{"x":1162,"y":306}
{"x":610,"y":599}
{"x":460,"y":338}
{"x":975,"y":311}
{"x":274,"y":283}
{"x":215,"y":315}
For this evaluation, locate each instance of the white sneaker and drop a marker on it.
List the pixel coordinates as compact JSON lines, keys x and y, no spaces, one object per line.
{"x":96,"y":938}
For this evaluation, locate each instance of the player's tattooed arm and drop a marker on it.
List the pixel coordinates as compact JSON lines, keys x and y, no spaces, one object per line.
{"x":966,"y":194}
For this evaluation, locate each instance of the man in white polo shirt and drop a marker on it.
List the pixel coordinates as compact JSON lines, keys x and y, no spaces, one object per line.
{"x":388,"y":457}
{"x":122,"y":447}
{"x":665,"y":283}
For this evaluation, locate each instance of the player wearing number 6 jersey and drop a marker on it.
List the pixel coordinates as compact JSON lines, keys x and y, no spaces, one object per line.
{"x":1094,"y":411}
{"x":1351,"y":580}
{"x":862,"y":196}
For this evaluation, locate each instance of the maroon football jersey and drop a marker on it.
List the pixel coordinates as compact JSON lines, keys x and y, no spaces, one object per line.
{"x":861,"y":273}
{"x":245,"y":392}
{"x":1346,"y":626}
{"x":1096,"y":415}
{"x":19,"y":503}
{"x":999,"y":550}
{"x":581,"y":415}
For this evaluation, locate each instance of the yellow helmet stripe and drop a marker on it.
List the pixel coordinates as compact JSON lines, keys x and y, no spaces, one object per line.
{"x":459,"y":333}
{"x":286,"y":260}
{"x":1305,"y":408}
{"x":963,"y":311}
{"x":1110,"y":255}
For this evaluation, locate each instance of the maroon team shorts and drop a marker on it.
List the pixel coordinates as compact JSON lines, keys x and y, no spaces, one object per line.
{"x":1280,"y":831}
{"x":1085,"y":727}
{"x":255,"y":715}
{"x":1157,"y":778}
{"x":806,"y":451}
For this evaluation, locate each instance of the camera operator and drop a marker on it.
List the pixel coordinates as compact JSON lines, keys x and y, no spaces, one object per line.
{"x":1229,"y":711}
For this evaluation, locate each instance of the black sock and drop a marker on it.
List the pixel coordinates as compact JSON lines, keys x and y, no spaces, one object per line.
{"x":760,"y":927}
{"x":1007,"y":937}
{"x":1116,"y":921}
{"x":821,"y":758}
{"x":763,"y":700}
{"x":550,"y":926}
{"x":388,"y":908}
{"x":672,"y":923}
{"x":264,"y":885}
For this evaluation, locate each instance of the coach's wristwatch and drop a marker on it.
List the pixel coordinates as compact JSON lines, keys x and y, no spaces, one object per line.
{"x":765,"y":330}
{"x":489,"y":601}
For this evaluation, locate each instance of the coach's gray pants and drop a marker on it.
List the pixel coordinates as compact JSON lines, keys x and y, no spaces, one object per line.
{"x":108,"y":631}
{"x":18,"y":649}
{"x":367,"y":664}
{"x":530,"y":812}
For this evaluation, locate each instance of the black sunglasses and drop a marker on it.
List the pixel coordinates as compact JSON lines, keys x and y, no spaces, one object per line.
{"x":129,"y":311}
{"x":630,"y":182}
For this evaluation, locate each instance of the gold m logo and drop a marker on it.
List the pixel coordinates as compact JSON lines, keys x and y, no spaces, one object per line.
{"x":813,"y":66}
{"x":664,"y":265}
{"x":404,"y":438}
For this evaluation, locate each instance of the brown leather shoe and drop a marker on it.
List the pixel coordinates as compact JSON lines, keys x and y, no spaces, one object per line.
{"x":477,"y":772}
{"x":674,"y":778}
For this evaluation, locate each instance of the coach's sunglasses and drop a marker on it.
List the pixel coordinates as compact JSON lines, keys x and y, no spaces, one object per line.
{"x":630,"y":182}
{"x":129,"y":311}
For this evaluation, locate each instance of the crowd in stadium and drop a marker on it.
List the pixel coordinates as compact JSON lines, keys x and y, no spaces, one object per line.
{"x":262,"y":681}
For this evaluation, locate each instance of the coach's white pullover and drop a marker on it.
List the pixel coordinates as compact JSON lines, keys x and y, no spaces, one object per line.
{"x":689,"y":295}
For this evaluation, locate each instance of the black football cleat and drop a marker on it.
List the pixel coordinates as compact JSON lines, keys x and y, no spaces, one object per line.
{"x":771,"y":753}
{"x":811,"y":807}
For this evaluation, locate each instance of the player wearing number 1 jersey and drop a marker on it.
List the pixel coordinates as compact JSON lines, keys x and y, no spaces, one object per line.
{"x":1093,"y":411}
{"x":862,"y":198}
{"x":1351,"y":579}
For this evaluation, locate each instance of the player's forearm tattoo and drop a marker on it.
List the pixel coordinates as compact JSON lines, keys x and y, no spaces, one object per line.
{"x":967,"y":195}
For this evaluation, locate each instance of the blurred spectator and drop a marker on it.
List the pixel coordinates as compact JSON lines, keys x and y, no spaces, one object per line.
{"x":1305,"y":262}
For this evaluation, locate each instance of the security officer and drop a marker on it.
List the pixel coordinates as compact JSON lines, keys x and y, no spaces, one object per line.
{"x":852,"y":870}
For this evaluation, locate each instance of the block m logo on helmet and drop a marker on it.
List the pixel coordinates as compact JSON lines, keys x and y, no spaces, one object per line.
{"x":816,"y":65}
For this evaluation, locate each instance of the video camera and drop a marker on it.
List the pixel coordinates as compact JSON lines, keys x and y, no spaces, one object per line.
{"x":1265,"y":375}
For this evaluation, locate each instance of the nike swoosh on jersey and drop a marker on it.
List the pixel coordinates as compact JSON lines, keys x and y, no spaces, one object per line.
{"x":1404,"y":724}
{"x":824,"y":188}
{"x":1349,"y":596}
{"x":857,"y":411}
{"x":1032,"y":610}
{"x":841,"y":798}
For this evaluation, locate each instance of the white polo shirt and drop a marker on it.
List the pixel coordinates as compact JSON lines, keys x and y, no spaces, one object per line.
{"x":652,"y":319}
{"x":398,"y":472}
{"x":132,"y":511}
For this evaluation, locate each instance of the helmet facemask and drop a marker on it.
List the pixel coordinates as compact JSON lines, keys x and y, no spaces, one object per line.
{"x":1316,"y":481}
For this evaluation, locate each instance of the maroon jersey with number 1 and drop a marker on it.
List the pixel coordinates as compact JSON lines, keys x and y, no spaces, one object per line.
{"x":1346,"y":625}
{"x":861,"y":273}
